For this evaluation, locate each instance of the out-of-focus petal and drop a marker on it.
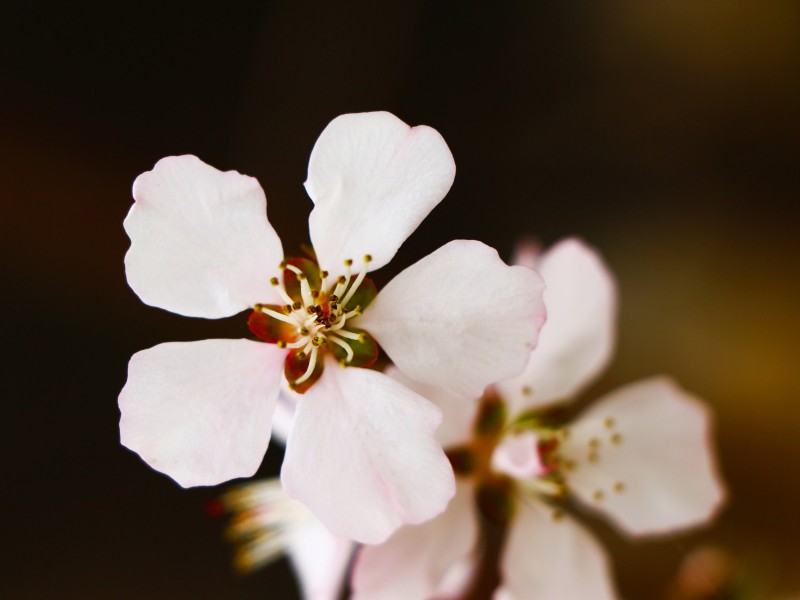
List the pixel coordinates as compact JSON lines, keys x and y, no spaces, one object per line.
{"x":458,"y":414}
{"x":577,"y":340}
{"x":200,"y":412}
{"x":553,"y":558}
{"x":320,"y":560}
{"x":361,"y":452}
{"x":652,"y":469}
{"x":201,"y":245}
{"x":373,"y":179}
{"x":414,"y":561}
{"x":459,"y":319}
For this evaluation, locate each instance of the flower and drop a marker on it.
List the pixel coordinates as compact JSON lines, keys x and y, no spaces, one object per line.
{"x":639,"y":456}
{"x":362,"y":445}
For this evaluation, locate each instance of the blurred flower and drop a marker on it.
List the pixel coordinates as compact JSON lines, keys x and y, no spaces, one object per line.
{"x":266,"y":523}
{"x":639,"y":455}
{"x":362,"y":446}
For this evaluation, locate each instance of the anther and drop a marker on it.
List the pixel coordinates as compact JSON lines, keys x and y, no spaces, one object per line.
{"x":368,"y":258}
{"x":609,"y":423}
{"x":323,"y":274}
{"x":273,"y":281}
{"x":301,"y":355}
{"x":594,"y":443}
{"x":526,"y":390}
{"x":616,"y":438}
{"x":342,"y":280}
{"x":297,"y":305}
{"x":348,"y":262}
{"x":315,"y":294}
{"x":333,"y":299}
{"x":282,"y":266}
{"x":258,"y":307}
{"x":280,"y":344}
{"x":619,"y":487}
{"x":287,"y":308}
{"x":593,"y":457}
{"x":598,"y":495}
{"x":303,"y":331}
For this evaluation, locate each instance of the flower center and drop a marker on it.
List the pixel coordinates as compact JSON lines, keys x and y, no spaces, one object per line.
{"x":317,"y":317}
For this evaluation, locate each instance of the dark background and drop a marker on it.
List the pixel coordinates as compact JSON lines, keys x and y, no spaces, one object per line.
{"x":665,"y":134}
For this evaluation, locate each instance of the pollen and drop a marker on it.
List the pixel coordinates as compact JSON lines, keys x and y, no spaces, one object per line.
{"x":619,"y":487}
{"x":616,"y":439}
{"x":608,"y":423}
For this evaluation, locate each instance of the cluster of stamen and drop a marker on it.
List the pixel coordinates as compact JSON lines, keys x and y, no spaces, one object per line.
{"x":318,"y":316}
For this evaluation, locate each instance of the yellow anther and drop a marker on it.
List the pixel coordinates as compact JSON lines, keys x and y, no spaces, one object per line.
{"x":323,"y":274}
{"x":301,"y":355}
{"x":616,"y":438}
{"x":280,"y":344}
{"x":367,"y":258}
{"x":273,"y":281}
{"x":609,"y":423}
{"x":287,"y":308}
{"x":315,"y":294}
{"x":619,"y":487}
{"x":594,"y":443}
{"x":282,"y":266}
{"x":303,"y":331}
{"x":348,"y":262}
{"x":342,"y":279}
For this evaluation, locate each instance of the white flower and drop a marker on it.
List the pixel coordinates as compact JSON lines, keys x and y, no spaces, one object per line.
{"x":362,"y":446}
{"x":640,"y":456}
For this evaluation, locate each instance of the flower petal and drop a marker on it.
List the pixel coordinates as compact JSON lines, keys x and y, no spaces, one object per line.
{"x":200,"y":412}
{"x":201,"y":245}
{"x":413,"y":563}
{"x":458,"y":414}
{"x":373,"y":179}
{"x":459,"y":319}
{"x":578,"y":339}
{"x":320,"y":560}
{"x":653,"y":470}
{"x":360,"y":451}
{"x":549,"y":557}
{"x":283,"y":417}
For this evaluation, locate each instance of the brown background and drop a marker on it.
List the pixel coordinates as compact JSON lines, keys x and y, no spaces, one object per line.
{"x":665,"y":134}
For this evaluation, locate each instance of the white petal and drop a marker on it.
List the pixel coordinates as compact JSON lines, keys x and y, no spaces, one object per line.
{"x":662,"y":459}
{"x":577,"y":340}
{"x":200,"y":412}
{"x":413,"y":563}
{"x":320,"y":561}
{"x":553,"y":559}
{"x":458,"y":414}
{"x":201,"y":245}
{"x":362,"y":451}
{"x":459,"y":319}
{"x":373,"y":179}
{"x":283,"y":417}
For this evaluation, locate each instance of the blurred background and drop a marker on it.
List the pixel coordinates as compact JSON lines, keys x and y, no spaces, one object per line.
{"x":667,"y":135}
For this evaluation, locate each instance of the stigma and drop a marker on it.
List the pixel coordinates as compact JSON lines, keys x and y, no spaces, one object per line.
{"x":318,"y":317}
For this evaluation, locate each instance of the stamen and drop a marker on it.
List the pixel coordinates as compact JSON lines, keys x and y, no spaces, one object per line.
{"x":344,"y":345}
{"x":276,"y":315}
{"x":350,"y":335}
{"x":357,"y":282}
{"x":312,"y":362}
{"x":341,"y":285}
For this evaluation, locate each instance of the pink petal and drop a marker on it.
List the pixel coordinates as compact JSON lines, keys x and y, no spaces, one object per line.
{"x":459,"y":319}
{"x":518,"y":456}
{"x":320,"y":561}
{"x":200,"y":412}
{"x":458,"y":414}
{"x":552,"y":558}
{"x":361,"y":452}
{"x":201,"y":245}
{"x":373,"y":179}
{"x":577,"y":340}
{"x":414,"y":562}
{"x":654,"y":470}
